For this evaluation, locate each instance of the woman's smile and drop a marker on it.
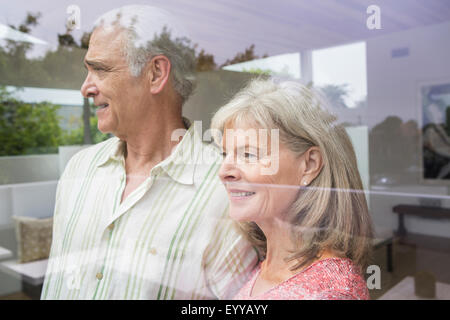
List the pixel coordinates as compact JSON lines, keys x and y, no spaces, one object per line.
{"x":237,"y":195}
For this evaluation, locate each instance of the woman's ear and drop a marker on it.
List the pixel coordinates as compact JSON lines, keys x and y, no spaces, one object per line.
{"x":313,"y":163}
{"x":158,"y":71}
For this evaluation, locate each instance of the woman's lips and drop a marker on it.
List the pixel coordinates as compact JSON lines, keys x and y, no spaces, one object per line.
{"x":240,"y":194}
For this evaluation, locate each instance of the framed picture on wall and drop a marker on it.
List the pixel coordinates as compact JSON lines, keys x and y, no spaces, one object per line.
{"x":434,"y":100}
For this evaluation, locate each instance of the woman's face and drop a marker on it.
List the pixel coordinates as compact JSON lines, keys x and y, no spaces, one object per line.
{"x":257,"y":194}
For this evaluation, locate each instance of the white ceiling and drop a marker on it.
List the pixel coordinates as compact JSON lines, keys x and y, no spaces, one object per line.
{"x":225,"y":27}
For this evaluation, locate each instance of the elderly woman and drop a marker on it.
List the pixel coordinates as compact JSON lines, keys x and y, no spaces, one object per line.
{"x":307,"y":215}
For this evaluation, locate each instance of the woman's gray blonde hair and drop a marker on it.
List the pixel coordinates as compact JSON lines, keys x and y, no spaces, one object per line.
{"x":331,"y":213}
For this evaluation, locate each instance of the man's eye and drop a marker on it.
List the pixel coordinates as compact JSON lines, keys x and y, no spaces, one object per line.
{"x":224,"y":154}
{"x":249,"y":155}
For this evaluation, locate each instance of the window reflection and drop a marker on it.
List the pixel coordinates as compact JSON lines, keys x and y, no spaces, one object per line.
{"x":389,"y":88}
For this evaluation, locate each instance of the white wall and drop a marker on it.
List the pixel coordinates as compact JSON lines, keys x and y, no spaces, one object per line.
{"x":392,"y":82}
{"x":23,"y":169}
{"x":35,"y":199}
{"x":392,"y":91}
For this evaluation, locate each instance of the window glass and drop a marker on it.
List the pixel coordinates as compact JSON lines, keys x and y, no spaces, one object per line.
{"x":359,"y":91}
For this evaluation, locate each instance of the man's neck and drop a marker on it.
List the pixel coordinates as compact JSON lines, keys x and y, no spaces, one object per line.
{"x":153,"y":143}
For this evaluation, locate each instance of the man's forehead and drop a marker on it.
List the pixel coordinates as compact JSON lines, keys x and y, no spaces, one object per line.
{"x":106,"y":37}
{"x":103,"y":44}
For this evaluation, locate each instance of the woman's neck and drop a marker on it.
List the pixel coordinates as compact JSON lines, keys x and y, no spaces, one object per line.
{"x":280,"y":246}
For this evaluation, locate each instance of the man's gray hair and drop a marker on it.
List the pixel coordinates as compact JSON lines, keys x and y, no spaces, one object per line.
{"x":152,"y":31}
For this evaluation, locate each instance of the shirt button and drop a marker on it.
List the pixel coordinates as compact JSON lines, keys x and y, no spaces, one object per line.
{"x":99,"y":276}
{"x":153,"y":251}
{"x":111,"y":226}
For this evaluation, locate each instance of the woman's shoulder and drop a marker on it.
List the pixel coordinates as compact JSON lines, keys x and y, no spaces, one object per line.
{"x":336,"y":264}
{"x":333,"y":278}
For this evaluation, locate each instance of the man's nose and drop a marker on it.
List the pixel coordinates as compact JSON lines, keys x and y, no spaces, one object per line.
{"x":228,"y":171}
{"x":89,"y":89}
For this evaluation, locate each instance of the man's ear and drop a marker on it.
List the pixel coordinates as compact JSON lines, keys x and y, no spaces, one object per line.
{"x":158,"y":73}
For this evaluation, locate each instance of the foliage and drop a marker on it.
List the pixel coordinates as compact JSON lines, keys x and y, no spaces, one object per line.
{"x":362,"y":103}
{"x":31,"y":20}
{"x":336,"y":94}
{"x":266,"y":72}
{"x":76,"y":136}
{"x":57,"y":69}
{"x":34,"y":128}
{"x":204,"y":62}
{"x":247,"y":55}
{"x":28,"y":128}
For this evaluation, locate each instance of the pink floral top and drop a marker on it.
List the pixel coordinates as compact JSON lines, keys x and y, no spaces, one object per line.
{"x":326,"y":279}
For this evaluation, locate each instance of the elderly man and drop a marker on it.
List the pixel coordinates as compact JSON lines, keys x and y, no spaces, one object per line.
{"x":134,"y":219}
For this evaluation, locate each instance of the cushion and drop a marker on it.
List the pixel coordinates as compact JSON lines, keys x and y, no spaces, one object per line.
{"x":34,"y":238}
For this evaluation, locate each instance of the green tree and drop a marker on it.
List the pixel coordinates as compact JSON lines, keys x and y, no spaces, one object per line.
{"x":61,"y":69}
{"x":204,"y":62}
{"x":247,"y":55}
{"x":67,"y":48}
{"x":77,"y":136}
{"x":265,"y":72}
{"x":28,"y":128}
{"x":336,"y":94}
{"x":15,"y":68}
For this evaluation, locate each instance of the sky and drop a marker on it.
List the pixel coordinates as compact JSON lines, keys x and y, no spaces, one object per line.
{"x":342,"y":65}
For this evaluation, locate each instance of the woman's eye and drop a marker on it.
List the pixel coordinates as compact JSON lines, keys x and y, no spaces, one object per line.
{"x":249,"y":155}
{"x":224,"y":154}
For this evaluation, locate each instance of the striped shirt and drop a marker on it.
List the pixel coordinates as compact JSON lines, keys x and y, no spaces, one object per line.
{"x":171,"y":238}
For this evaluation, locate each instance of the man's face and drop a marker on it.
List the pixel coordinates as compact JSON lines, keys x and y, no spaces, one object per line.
{"x":118,"y":95}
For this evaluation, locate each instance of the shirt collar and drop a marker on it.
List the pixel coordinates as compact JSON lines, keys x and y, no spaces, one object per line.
{"x":181,"y":163}
{"x":115,"y":152}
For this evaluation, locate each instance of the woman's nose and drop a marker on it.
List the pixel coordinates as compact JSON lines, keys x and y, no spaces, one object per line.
{"x":89,"y":89}
{"x":228,"y":170}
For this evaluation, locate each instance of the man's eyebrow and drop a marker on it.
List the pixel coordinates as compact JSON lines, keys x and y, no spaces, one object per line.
{"x":96,"y":64}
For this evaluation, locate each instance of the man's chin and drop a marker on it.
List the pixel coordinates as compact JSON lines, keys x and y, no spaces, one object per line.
{"x":104,"y":128}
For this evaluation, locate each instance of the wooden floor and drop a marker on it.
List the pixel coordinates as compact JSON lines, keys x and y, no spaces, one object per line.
{"x":411,"y":254}
{"x":16,"y":296}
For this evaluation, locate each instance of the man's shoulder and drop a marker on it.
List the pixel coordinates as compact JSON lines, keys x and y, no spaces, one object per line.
{"x":94,"y":154}
{"x":209,"y":154}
